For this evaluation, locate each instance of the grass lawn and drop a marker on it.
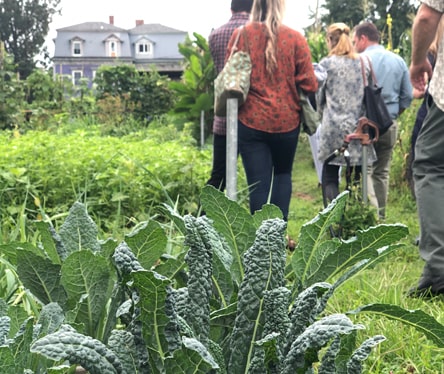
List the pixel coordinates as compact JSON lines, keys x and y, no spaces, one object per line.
{"x":405,"y":350}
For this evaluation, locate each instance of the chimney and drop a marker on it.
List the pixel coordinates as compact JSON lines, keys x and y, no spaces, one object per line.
{"x":139,"y":22}
{"x":111,"y":20}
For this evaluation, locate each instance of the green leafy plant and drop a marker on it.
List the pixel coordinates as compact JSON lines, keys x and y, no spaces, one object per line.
{"x":143,"y":95}
{"x":195,"y":90}
{"x":224,"y":302}
{"x":10,"y":91}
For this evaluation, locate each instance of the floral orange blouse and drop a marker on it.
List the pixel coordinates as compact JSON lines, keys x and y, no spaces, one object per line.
{"x":272,"y":105}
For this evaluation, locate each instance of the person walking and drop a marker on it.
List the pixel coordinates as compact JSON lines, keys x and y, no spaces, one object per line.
{"x":217,"y":42}
{"x":422,"y":111}
{"x":428,"y":166}
{"x":268,"y":121}
{"x":340,"y":102}
{"x":392,"y":74}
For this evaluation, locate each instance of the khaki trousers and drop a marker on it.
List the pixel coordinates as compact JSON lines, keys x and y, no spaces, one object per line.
{"x":378,"y":173}
{"x":428,"y":173}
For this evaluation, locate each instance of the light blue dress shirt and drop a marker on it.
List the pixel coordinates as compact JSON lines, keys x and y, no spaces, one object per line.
{"x":392,"y":75}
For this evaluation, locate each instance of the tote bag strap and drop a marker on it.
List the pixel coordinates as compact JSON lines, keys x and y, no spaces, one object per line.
{"x":244,"y":32}
{"x":234,"y":47}
{"x":363,"y":71}
{"x":374,"y":80}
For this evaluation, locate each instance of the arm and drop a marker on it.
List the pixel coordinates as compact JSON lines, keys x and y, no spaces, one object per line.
{"x":305,"y":77}
{"x":406,"y":92}
{"x":424,"y":29}
{"x":320,"y":94}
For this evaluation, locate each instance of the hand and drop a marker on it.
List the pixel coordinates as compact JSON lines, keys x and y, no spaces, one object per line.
{"x":418,"y":74}
{"x":418,"y":94}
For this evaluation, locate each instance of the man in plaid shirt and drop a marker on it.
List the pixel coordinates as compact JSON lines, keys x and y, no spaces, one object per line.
{"x":218,"y":41}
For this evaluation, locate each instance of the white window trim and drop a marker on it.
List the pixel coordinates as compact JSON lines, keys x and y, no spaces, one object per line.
{"x":148,"y":45}
{"x":73,"y":75}
{"x":80,"y":44}
{"x":116,"y":52}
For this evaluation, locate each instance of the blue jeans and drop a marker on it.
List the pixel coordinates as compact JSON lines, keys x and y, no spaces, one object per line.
{"x":219,"y":170}
{"x":268,"y":163}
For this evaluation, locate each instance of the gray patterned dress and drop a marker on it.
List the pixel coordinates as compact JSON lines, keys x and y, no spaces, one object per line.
{"x":340,"y":102}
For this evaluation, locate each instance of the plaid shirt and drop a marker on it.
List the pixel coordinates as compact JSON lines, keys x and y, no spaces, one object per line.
{"x":218,"y":41}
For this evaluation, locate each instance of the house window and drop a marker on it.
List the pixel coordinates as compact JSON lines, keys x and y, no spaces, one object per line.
{"x":77,"y":48}
{"x":144,"y":48}
{"x":113,"y":48}
{"x":76,"y":76}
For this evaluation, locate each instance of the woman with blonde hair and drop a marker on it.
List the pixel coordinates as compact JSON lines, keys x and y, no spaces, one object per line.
{"x":269,"y":120}
{"x":340,"y":102}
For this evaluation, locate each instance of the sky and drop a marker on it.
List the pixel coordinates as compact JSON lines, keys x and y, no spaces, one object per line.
{"x":199,"y":16}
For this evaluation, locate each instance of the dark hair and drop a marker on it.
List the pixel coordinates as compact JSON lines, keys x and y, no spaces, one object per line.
{"x":369,"y":30}
{"x":241,"y":5}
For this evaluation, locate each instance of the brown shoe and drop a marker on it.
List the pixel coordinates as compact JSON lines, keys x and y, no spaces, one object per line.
{"x":291,"y":244}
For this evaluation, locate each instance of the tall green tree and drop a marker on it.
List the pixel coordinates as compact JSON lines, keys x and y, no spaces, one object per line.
{"x":11,"y":95}
{"x":402,"y":13}
{"x":353,"y":12}
{"x":24,"y":25}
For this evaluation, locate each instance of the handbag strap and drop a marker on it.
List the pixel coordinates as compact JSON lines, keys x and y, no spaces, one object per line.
{"x":364,"y":78}
{"x":375,"y":82}
{"x":240,"y":30}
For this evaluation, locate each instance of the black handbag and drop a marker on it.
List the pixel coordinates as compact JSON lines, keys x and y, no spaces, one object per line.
{"x":375,"y":107}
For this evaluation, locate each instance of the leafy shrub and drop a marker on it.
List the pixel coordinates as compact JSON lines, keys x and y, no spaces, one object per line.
{"x":141,"y":94}
{"x":195,"y":91}
{"x":120,"y":179}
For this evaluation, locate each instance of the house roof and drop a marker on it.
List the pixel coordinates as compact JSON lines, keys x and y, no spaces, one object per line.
{"x":154,"y":28}
{"x":93,"y":26}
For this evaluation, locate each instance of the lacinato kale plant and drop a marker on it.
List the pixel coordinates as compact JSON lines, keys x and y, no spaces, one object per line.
{"x":228,"y":300}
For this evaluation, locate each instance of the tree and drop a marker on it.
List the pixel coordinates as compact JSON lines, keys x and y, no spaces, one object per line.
{"x":350,"y":12}
{"x":24,"y":24}
{"x":10,"y":92}
{"x":376,"y":11}
{"x":402,"y":13}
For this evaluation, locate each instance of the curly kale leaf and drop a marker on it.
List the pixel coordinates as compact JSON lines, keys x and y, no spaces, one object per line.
{"x":305,"y":311}
{"x":233,"y":222}
{"x":303,"y":351}
{"x":268,"y":352}
{"x":264,"y":265}
{"x":123,"y":345}
{"x":79,"y":231}
{"x":160,"y":327}
{"x":78,"y":349}
{"x":125,"y":260}
{"x":199,"y":259}
{"x":354,"y":365}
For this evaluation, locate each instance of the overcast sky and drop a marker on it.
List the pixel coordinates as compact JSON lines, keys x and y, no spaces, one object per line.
{"x":187,"y":15}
